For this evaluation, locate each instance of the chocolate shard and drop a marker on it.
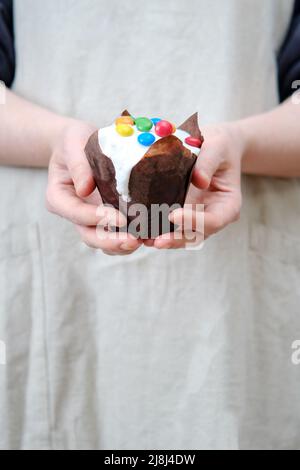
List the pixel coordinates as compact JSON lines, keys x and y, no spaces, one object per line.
{"x":103,"y":172}
{"x":192,"y":127}
{"x":126,"y":113}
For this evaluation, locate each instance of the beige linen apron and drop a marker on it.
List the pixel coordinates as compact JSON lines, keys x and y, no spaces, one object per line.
{"x":176,"y":350}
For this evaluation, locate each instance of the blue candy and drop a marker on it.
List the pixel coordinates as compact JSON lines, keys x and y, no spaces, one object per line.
{"x":155,"y":120}
{"x":146,"y":138}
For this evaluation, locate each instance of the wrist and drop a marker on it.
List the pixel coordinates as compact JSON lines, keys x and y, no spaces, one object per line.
{"x":248,"y":129}
{"x":238,"y":137}
{"x":56,"y":129}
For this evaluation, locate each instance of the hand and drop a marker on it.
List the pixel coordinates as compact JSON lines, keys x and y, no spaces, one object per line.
{"x":71,"y":194}
{"x":216,"y":183}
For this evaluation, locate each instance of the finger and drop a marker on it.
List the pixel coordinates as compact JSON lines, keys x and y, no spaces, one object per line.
{"x":218,"y":216}
{"x":80,"y":172}
{"x":188,"y":219}
{"x":62,"y":200}
{"x":178,"y":239}
{"x":111,"y":217}
{"x":113,"y":243}
{"x":190,"y":229}
{"x":206,"y":166}
{"x":168,"y":241}
{"x":148,"y":242}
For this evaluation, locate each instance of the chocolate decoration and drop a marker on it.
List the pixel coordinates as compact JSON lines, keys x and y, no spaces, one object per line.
{"x":192,"y":127}
{"x":126,"y":113}
{"x":162,"y":176}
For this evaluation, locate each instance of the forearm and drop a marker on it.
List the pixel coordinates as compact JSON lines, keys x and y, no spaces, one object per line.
{"x":27,"y":132}
{"x":272,"y":142}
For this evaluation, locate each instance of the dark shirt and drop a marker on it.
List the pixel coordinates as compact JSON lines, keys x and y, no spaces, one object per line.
{"x":7,"y":53}
{"x":288,"y":57}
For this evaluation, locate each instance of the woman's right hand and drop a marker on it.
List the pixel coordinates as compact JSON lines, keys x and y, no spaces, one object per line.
{"x":71,"y":194}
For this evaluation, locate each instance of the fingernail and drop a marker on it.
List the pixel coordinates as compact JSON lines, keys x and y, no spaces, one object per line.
{"x":163,"y":246}
{"x":115,"y":221}
{"x":176,"y":216}
{"x":126,"y":246}
{"x":101,"y":213}
{"x":82,"y":185}
{"x":205,"y":176}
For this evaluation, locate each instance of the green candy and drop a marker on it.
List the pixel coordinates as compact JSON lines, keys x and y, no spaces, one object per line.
{"x":143,"y":124}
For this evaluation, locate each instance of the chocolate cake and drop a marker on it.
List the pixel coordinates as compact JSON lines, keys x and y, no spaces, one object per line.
{"x":141,"y":161}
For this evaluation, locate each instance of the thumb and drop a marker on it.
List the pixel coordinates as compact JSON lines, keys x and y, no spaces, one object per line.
{"x":81,"y":173}
{"x":206,"y":166}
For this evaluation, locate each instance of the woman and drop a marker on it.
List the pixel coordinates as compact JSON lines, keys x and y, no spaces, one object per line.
{"x":160,"y":349}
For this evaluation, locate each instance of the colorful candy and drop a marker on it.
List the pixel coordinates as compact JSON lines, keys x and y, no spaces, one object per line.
{"x":125,"y":120}
{"x":125,"y":127}
{"x":143,"y":124}
{"x":125,"y":130}
{"x":155,"y":120}
{"x":193,"y":141}
{"x":163,"y":128}
{"x":146,"y":138}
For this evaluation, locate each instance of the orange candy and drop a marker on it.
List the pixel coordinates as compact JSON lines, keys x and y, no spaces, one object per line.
{"x":125,"y":120}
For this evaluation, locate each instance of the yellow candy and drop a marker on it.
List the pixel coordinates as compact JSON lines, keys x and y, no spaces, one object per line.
{"x":124,"y":130}
{"x":173,"y":128}
{"x":125,"y":120}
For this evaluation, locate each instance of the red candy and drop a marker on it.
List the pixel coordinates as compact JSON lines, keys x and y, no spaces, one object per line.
{"x":194,"y":142}
{"x":163,"y":128}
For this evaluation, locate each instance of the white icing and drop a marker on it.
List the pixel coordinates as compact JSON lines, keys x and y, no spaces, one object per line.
{"x":126,"y":152}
